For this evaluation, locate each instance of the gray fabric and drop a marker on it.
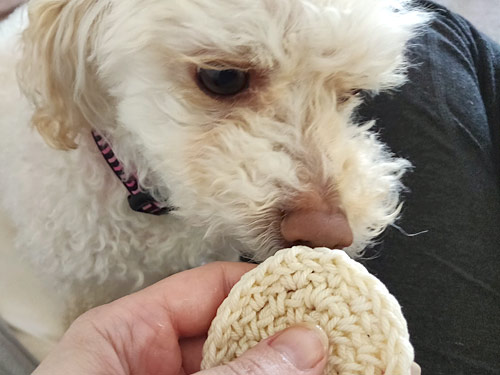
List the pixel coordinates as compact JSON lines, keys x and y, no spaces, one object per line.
{"x":446,"y":121}
{"x":14,"y":359}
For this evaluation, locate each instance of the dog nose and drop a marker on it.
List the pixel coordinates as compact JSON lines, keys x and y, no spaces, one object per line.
{"x":317,"y":228}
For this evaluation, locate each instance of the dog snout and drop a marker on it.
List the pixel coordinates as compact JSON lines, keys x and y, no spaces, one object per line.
{"x":317,"y":228}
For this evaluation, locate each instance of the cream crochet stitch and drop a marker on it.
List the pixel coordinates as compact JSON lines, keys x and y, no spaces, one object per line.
{"x":366,"y":329}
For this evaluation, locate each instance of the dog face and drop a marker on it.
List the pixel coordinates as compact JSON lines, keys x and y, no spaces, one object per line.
{"x":238,"y":111}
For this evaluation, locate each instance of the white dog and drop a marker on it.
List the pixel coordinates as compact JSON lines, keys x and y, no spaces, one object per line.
{"x":234,"y":116}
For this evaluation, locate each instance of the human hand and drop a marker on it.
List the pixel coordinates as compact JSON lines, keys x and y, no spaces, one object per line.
{"x":161,"y":330}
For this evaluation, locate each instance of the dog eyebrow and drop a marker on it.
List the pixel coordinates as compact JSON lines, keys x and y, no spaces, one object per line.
{"x":225,"y":64}
{"x":242,"y":57}
{"x":214,"y":60}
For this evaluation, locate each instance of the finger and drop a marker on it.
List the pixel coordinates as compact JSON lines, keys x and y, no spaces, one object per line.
{"x":193,"y":297}
{"x":191,"y":349}
{"x":300,"y":350}
{"x":187,"y":301}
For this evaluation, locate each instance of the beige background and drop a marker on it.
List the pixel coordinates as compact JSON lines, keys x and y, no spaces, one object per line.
{"x":484,"y":14}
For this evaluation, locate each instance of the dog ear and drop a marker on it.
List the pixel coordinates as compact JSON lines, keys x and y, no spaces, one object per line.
{"x":55,"y":71}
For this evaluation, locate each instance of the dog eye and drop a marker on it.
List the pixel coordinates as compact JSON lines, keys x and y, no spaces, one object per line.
{"x":223,"y":82}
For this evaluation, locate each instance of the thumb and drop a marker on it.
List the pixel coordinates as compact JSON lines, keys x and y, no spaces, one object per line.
{"x":300,"y":350}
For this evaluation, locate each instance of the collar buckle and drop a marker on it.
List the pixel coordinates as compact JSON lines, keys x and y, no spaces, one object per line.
{"x":145,"y":203}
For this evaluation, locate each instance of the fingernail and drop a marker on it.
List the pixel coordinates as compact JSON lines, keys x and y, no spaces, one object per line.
{"x":303,"y":345}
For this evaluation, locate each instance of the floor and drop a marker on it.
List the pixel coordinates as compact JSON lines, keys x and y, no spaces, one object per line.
{"x":484,"y":14}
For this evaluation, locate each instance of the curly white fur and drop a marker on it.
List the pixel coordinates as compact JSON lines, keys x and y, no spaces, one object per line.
{"x":126,"y":68}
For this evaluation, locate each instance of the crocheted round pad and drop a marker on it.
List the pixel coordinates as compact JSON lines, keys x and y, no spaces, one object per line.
{"x":366,"y":329}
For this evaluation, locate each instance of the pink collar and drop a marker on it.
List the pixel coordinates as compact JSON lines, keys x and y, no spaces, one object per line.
{"x":138,"y":199}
